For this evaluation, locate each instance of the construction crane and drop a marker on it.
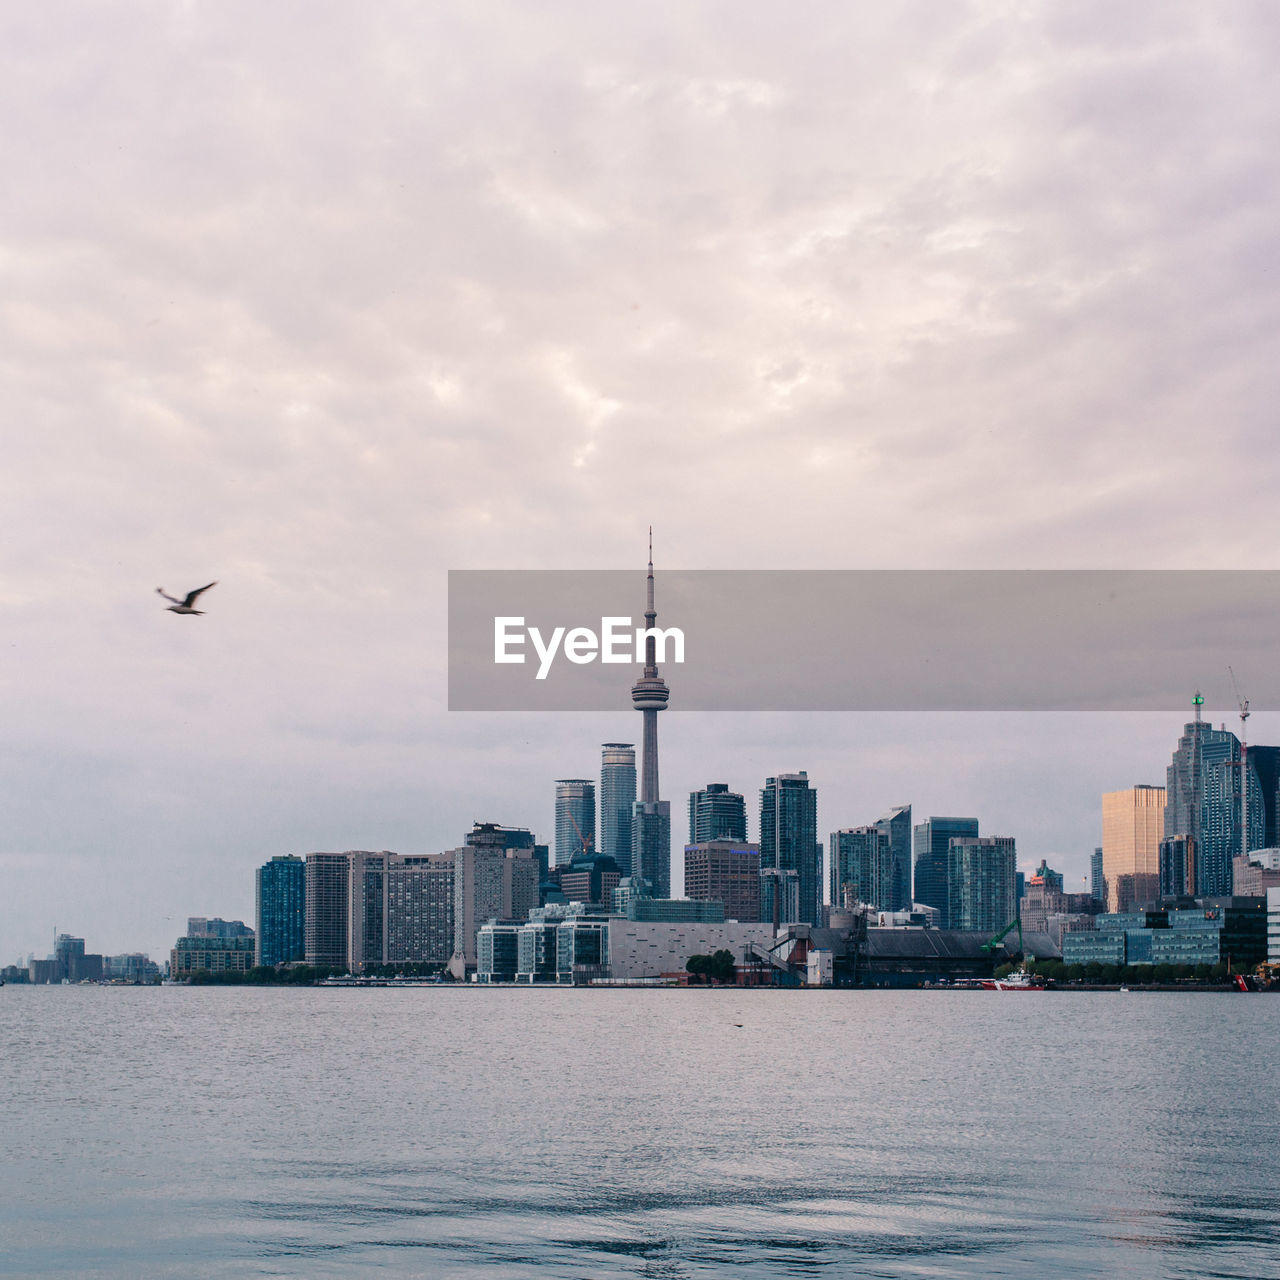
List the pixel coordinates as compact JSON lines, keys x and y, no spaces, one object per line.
{"x":1243,"y":704}
{"x":994,"y":944}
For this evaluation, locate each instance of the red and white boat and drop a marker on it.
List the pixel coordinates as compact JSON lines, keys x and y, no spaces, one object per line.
{"x":1019,"y":980}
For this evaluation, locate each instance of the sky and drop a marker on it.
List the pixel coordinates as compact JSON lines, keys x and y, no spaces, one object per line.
{"x":321,"y":301}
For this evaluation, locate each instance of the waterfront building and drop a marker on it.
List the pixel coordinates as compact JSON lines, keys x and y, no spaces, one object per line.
{"x":281,"y":896}
{"x":132,"y":967}
{"x":789,"y":836}
{"x":779,"y":896}
{"x":1252,"y":876}
{"x":204,"y":927}
{"x":366,"y":908}
{"x":1273,"y":925}
{"x":651,"y":817}
{"x":69,"y":963}
{"x":1132,"y":826}
{"x":212,"y":954}
{"x":498,"y":950}
{"x":716,"y":813}
{"x":326,"y":906}
{"x":575,"y":819}
{"x":896,"y":824}
{"x":726,"y":871}
{"x":419,"y":909}
{"x":617,"y":802}
{"x":981,"y":892}
{"x":932,"y":841}
{"x":494,"y":879}
{"x":1097,"y":880}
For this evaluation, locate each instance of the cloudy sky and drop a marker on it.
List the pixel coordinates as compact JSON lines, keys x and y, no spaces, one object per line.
{"x":324,"y":300}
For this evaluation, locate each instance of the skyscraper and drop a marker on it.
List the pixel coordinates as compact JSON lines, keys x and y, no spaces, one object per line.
{"x":651,"y":820}
{"x":896,"y":824}
{"x":932,"y":839}
{"x":981,"y":882}
{"x":716,"y":813}
{"x":495,"y":877}
{"x":789,"y":836}
{"x":328,"y":875}
{"x":1132,"y":823}
{"x":575,"y":819}
{"x":1202,"y":821}
{"x":282,"y":916}
{"x":617,"y":800}
{"x":1097,"y":881}
{"x":725,"y":871}
{"x":861,"y":868}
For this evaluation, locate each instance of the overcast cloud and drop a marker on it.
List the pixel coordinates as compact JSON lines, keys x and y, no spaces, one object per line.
{"x":324,"y":300}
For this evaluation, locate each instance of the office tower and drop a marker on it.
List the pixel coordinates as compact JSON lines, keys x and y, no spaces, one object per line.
{"x":282,"y":916}
{"x":932,"y":840}
{"x":861,"y":868}
{"x":617,"y":800}
{"x":981,"y":880}
{"x":204,"y":927}
{"x":897,"y":826}
{"x":575,"y":819}
{"x":716,"y":813}
{"x":419,"y":909}
{"x":726,"y":871}
{"x":1097,"y":882}
{"x":651,"y":818}
{"x":495,"y":877}
{"x":325,"y":936}
{"x":789,"y":836}
{"x":1132,"y":823}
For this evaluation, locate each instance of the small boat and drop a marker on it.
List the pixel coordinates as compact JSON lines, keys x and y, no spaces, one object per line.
{"x":1019,"y":980}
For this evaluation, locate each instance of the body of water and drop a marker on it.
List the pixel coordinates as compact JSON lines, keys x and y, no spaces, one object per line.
{"x":437,"y":1132}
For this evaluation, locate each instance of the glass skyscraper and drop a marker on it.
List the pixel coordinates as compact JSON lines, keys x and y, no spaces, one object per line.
{"x":282,"y":910}
{"x":789,"y":837}
{"x":981,"y":880}
{"x":716,"y":813}
{"x":575,"y":819}
{"x":932,"y":838}
{"x":896,"y":824}
{"x":617,"y":800}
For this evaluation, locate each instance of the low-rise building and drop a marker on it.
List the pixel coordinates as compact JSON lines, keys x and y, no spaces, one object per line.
{"x":211,"y":954}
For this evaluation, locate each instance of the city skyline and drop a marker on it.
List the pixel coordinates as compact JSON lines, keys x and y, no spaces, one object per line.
{"x":715,"y":277}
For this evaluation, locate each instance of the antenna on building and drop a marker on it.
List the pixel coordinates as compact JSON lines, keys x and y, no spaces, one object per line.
{"x":1243,"y":704}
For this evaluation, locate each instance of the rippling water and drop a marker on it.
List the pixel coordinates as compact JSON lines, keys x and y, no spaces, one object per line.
{"x":549,"y":1133}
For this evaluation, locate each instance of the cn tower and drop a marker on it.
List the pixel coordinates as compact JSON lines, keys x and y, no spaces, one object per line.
{"x":649,"y":694}
{"x":651,"y":824}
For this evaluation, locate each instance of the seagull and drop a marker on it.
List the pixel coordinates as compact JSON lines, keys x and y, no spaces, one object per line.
{"x":184,"y":606}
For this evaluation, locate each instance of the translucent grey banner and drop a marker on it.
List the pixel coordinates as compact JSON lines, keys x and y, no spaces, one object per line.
{"x":865,"y":640}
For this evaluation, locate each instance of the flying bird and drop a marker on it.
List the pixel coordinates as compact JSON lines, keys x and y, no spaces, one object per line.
{"x":184,"y":606}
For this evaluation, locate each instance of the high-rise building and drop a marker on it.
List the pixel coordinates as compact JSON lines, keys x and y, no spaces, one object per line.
{"x":1132,"y":825}
{"x":282,"y":913}
{"x":367,"y":908}
{"x":1097,"y":881}
{"x":617,"y":801}
{"x":981,"y":893}
{"x":932,"y":840}
{"x":419,"y":909}
{"x":861,"y":867}
{"x":495,"y":877}
{"x":789,"y":836}
{"x":651,"y":818}
{"x":716,"y":813}
{"x":896,"y":824}
{"x":779,"y":896}
{"x":325,"y":936}
{"x":725,"y":871}
{"x":575,"y":819}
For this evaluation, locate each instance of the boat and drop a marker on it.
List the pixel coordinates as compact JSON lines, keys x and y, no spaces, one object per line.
{"x":1019,"y":980}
